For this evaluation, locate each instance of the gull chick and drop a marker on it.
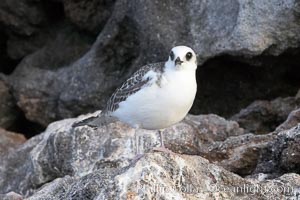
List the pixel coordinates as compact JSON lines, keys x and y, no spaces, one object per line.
{"x":157,"y":95}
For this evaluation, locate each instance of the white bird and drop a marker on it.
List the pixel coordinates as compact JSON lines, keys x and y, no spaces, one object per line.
{"x":157,"y":95}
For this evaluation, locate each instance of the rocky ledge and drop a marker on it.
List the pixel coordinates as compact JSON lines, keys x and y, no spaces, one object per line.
{"x":213,"y":159}
{"x":63,"y":58}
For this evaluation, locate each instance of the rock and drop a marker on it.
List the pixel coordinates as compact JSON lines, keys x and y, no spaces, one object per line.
{"x":63,"y":156}
{"x":298,"y":95}
{"x":292,"y":120}
{"x":197,"y":133}
{"x":264,"y":116}
{"x":19,"y":47}
{"x":238,"y":154}
{"x":8,"y":108}
{"x":214,"y":127}
{"x":19,"y":161}
{"x":234,"y":27}
{"x":11,"y":196}
{"x":241,"y":28}
{"x":61,"y":150}
{"x":287,"y":148}
{"x":7,"y":65}
{"x":281,"y":155}
{"x":21,"y":17}
{"x":290,"y":156}
{"x":65,"y":162}
{"x":158,"y":175}
{"x":84,"y":82}
{"x":36,"y":24}
{"x":226,"y":84}
{"x":88,"y":15}
{"x":10,"y":141}
{"x":37,"y":82}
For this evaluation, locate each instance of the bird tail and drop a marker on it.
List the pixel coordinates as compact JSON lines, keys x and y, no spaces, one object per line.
{"x":95,"y":121}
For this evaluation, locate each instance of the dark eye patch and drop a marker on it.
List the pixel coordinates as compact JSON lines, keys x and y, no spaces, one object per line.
{"x":172,"y":56}
{"x":188,"y":56}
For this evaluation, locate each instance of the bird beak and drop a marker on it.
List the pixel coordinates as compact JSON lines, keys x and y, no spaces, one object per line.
{"x":178,"y":61}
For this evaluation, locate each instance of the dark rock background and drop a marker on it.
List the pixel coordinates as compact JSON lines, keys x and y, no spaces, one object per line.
{"x":63,"y":58}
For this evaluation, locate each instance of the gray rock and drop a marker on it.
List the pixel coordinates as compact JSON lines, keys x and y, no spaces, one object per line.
{"x":11,"y":196}
{"x":88,"y":15}
{"x":239,"y":154}
{"x":245,"y":27}
{"x":262,"y":117}
{"x":10,"y":141}
{"x":281,"y":155}
{"x":292,"y":120}
{"x":84,"y":82}
{"x":290,"y":155}
{"x":226,"y":84}
{"x":298,"y":95}
{"x":215,"y":27}
{"x":21,"y":17}
{"x":62,"y":150}
{"x":18,"y":162}
{"x":38,"y":81}
{"x":158,"y":175}
{"x":8,"y":108}
{"x":84,"y":163}
{"x":19,"y":47}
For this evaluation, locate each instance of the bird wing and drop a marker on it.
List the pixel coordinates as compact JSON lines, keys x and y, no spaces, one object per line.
{"x":132,"y":85}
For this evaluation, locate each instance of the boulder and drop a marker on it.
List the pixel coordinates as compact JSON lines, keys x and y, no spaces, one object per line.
{"x":38,"y":81}
{"x":159,"y":175}
{"x":88,"y":15}
{"x":292,"y":120}
{"x":8,"y":108}
{"x":281,"y":155}
{"x":239,"y":154}
{"x":62,"y":150}
{"x":59,"y":79}
{"x":11,"y":196}
{"x":10,"y":141}
{"x":21,"y":17}
{"x":59,"y":161}
{"x":262,"y":117}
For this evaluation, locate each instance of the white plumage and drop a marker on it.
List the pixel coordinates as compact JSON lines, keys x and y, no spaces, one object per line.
{"x":166,"y":96}
{"x":156,"y":96}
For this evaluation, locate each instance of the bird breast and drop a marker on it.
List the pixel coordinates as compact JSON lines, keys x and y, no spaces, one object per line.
{"x":160,"y":105}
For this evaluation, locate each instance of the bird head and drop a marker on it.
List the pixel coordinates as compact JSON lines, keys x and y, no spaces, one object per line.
{"x":182,"y":57}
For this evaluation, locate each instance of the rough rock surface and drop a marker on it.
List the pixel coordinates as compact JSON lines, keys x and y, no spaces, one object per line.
{"x":292,"y":120}
{"x":89,"y":15}
{"x":238,"y":154}
{"x":159,"y":175}
{"x":39,"y":80}
{"x":85,"y":79}
{"x":264,"y":116}
{"x":8,"y":111}
{"x":11,"y":196}
{"x":9,"y":141}
{"x":83,"y":163}
{"x":65,"y":57}
{"x":26,"y":24}
{"x":282,"y":154}
{"x":21,"y":16}
{"x":62,"y":150}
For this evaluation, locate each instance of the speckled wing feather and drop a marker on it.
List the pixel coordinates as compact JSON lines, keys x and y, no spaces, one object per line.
{"x":132,"y":85}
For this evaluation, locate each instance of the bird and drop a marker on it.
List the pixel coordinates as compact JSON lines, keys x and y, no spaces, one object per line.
{"x":156,"y":96}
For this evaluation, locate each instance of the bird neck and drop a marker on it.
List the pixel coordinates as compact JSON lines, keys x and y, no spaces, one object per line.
{"x":187,"y":67}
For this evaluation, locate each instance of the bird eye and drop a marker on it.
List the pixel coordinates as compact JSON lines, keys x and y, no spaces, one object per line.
{"x":172,"y":56}
{"x":188,"y":56}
